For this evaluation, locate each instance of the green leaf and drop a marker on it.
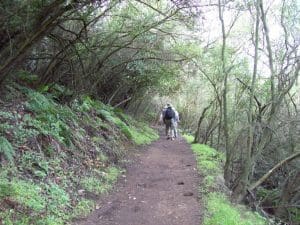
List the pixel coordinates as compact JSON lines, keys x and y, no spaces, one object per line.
{"x":6,"y":149}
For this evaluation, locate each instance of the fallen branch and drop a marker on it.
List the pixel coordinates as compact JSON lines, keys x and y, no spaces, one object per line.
{"x":271,"y":171}
{"x":120,"y":103}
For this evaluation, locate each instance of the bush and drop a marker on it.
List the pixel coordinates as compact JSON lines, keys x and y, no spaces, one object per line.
{"x":51,"y":119}
{"x":6,"y":149}
{"x":140,"y":133}
{"x":28,"y":194}
{"x":59,"y":200}
{"x":83,"y":208}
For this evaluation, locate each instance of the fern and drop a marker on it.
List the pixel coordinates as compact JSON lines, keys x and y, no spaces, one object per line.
{"x":26,"y":76}
{"x":39,"y":103}
{"x":6,"y":149}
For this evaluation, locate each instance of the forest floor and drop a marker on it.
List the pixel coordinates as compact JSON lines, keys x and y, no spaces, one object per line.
{"x":159,"y":187}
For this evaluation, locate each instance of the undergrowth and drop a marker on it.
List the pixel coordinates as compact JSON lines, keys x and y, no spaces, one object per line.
{"x":55,"y":156}
{"x":139,"y":133}
{"x":219,"y":210}
{"x":100,"y":183}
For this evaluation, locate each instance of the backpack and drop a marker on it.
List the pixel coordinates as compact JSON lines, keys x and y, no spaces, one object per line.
{"x":169,"y":114}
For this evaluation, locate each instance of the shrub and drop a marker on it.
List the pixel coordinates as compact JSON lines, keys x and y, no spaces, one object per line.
{"x":101,"y":184}
{"x":6,"y":149}
{"x":83,"y":208}
{"x":28,"y":194}
{"x":189,"y":138}
{"x":26,"y":76}
{"x":59,"y":199}
{"x":51,"y":119}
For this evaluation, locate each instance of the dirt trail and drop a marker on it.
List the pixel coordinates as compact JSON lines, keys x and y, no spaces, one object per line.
{"x":160,"y":188}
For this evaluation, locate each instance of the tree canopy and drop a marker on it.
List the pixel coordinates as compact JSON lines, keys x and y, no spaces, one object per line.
{"x":231,"y":68}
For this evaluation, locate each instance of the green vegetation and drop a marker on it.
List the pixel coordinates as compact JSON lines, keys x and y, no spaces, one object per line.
{"x":83,"y":208}
{"x":53,"y":156}
{"x":139,"y":133}
{"x":222,"y":212}
{"x":101,"y":183}
{"x":189,"y":138}
{"x":6,"y":149}
{"x":234,"y":80}
{"x":143,"y":135}
{"x":219,"y":210}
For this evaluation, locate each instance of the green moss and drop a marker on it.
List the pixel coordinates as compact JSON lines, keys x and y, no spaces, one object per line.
{"x":28,"y":194}
{"x":219,"y":211}
{"x":210,"y":167}
{"x":50,"y":200}
{"x":142,"y":137}
{"x":50,"y":220}
{"x":208,"y":181}
{"x":6,"y":217}
{"x":58,"y":200}
{"x":101,"y":184}
{"x":112,"y":174}
{"x":188,"y":138}
{"x":138,"y":132}
{"x":83,"y":208}
{"x":95,"y":185}
{"x":222,"y":212}
{"x":205,"y":151}
{"x":209,"y":160}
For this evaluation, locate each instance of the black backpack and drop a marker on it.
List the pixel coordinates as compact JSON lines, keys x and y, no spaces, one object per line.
{"x":169,"y":114}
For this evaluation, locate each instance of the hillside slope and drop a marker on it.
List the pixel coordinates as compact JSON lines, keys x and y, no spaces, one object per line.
{"x":57,"y":158}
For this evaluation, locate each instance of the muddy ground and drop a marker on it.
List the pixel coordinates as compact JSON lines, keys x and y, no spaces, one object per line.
{"x":159,"y":188}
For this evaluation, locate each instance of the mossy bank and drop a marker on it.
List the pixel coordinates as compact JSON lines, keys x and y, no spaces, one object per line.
{"x":219,"y":209}
{"x":56,"y":158}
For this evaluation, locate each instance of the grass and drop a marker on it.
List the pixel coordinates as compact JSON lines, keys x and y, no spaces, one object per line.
{"x":26,"y":193}
{"x":222,"y":212}
{"x":188,"y":138}
{"x":219,"y":210}
{"x":143,"y":135}
{"x":101,"y":183}
{"x":209,"y":159}
{"x":138,"y":132}
{"x":83,"y":208}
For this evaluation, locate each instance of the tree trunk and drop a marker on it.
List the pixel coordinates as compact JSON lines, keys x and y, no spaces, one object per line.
{"x":241,"y":187}
{"x":197,"y":134}
{"x":33,"y":38}
{"x":224,"y":95}
{"x":289,"y":192}
{"x":270,"y":55}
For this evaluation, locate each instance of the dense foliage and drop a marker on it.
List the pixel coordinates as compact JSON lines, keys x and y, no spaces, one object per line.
{"x":218,"y":210}
{"x":230,"y":67}
{"x":55,"y":157}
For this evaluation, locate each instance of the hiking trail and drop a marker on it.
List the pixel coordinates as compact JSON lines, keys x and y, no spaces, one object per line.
{"x":160,"y":187}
